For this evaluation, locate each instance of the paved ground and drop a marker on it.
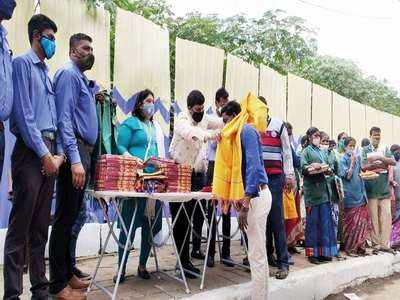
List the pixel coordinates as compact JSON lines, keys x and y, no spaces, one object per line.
{"x":160,"y":286}
{"x":374,"y":289}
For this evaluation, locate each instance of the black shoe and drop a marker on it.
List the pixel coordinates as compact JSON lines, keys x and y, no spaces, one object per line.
{"x":210,"y":261}
{"x":246,"y":262}
{"x":325,"y":259}
{"x":272,"y":262}
{"x":314,"y":260}
{"x":143,"y":274}
{"x":192,"y":269}
{"x":81,"y":275}
{"x":228,"y":261}
{"x":121,"y":280}
{"x":198,"y":255}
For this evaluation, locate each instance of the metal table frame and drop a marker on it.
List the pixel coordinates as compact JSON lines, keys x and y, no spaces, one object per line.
{"x":116,"y":199}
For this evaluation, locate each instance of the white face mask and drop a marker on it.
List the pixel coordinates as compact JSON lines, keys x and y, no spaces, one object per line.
{"x":316,"y":141}
{"x":349,"y":151}
{"x":324,"y":147}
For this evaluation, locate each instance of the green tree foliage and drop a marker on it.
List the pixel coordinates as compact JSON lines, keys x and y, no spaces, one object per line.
{"x":285,"y":43}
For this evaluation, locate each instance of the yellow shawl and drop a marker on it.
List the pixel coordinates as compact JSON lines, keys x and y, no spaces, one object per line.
{"x":227,"y":181}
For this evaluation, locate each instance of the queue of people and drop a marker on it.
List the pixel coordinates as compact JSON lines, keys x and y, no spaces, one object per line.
{"x":249,"y":158}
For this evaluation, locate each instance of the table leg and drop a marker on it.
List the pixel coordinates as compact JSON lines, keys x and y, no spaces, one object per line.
{"x":170,"y":228}
{"x":210,"y":228}
{"x":127,"y":245}
{"x":103,"y":250}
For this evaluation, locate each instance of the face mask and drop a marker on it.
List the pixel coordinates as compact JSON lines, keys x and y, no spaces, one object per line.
{"x":48,"y":46}
{"x":148,"y":109}
{"x":316,"y":141}
{"x":324,"y":147}
{"x":198,"y":116}
{"x":397,"y":156}
{"x":7,"y":8}
{"x":341,"y":146}
{"x":349,"y":151}
{"x":86,"y":62}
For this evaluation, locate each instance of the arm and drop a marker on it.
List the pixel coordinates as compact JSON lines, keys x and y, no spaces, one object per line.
{"x":287,"y":154}
{"x":184,"y":128}
{"x":346,"y":169}
{"x":123,"y":140}
{"x":67,"y":94}
{"x":6,"y":102}
{"x":215,"y":123}
{"x":23,"y":111}
{"x":251,"y":157}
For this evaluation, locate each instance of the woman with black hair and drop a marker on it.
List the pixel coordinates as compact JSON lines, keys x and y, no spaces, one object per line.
{"x":357,"y":221}
{"x":320,"y":237}
{"x":137,"y":137}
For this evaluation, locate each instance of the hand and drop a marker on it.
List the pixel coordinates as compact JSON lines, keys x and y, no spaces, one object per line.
{"x":100,"y":97}
{"x":78,"y":176}
{"x":59,"y":160}
{"x":290,"y":183}
{"x":127,"y":154}
{"x":243,"y":219}
{"x":316,"y":166}
{"x":50,"y":166}
{"x":353,"y":159}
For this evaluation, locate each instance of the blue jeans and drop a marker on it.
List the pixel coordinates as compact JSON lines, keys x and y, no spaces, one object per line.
{"x":276,"y":221}
{"x":76,"y":229}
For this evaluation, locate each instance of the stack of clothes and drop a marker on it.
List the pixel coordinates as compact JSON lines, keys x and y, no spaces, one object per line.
{"x":178,"y":177}
{"x":117,"y":173}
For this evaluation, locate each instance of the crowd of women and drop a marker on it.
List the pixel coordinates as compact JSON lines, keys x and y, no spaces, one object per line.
{"x":351,"y":195}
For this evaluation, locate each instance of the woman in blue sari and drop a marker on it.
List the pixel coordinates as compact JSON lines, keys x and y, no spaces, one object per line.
{"x":137,"y":137}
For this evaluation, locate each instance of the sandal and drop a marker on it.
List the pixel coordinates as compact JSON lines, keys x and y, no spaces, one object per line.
{"x":282,"y":274}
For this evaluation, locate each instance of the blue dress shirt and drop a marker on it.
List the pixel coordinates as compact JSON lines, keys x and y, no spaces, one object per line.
{"x":34,"y":110}
{"x":252,"y":161}
{"x":6,"y":90}
{"x":76,"y":108}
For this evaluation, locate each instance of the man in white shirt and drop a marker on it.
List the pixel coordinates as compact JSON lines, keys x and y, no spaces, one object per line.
{"x":193,"y":129}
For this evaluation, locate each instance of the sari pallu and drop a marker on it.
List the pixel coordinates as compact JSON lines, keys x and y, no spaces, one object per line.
{"x":356,"y":229}
{"x":293,"y":226}
{"x":320,"y":235}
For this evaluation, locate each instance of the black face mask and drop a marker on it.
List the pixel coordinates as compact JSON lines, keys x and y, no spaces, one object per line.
{"x":198,"y":116}
{"x":397,"y":156}
{"x":86,"y":62}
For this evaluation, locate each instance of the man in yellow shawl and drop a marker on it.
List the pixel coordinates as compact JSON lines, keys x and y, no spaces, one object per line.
{"x":240,"y":177}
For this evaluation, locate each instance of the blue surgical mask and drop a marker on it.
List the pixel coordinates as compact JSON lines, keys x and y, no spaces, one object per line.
{"x":48,"y":46}
{"x":148,"y":108}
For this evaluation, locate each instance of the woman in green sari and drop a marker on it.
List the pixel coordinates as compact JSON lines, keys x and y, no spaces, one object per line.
{"x":137,"y":137}
{"x":320,"y":237}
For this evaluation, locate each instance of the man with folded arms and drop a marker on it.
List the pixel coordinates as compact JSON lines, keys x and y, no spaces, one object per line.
{"x":77,"y":121}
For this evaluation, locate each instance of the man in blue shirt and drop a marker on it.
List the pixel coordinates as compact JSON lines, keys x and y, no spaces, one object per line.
{"x":6,"y":92}
{"x":34,"y":166}
{"x":257,"y":203}
{"x":78,"y":125}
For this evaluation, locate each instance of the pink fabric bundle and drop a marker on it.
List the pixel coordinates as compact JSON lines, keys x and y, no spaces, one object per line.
{"x":117,"y":173}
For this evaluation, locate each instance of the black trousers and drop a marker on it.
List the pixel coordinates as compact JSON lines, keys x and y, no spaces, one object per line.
{"x":29,"y":222}
{"x":226,"y":220}
{"x":69,"y":202}
{"x":182,"y":224}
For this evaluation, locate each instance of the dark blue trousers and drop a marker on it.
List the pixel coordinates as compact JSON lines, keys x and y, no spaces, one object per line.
{"x":276,"y":221}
